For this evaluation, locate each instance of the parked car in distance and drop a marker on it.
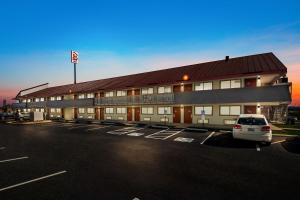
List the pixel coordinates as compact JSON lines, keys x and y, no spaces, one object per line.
{"x":253,"y":127}
{"x":23,"y":116}
{"x":291,"y":119}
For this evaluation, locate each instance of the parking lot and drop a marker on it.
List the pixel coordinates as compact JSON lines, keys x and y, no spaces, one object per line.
{"x":87,"y":161}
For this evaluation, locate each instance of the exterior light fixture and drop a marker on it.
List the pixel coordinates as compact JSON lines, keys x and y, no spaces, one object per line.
{"x":185,"y":77}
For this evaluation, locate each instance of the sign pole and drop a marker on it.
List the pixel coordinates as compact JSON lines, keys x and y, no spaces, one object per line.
{"x":74,"y":73}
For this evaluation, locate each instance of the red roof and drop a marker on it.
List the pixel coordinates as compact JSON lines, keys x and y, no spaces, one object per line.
{"x":266,"y":63}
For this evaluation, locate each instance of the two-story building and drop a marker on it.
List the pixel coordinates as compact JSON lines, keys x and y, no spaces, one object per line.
{"x":212,"y":93}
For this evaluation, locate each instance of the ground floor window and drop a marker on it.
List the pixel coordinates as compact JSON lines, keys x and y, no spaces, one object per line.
{"x":206,"y":109}
{"x":164,"y":110}
{"x":147,"y":110}
{"x":230,"y":110}
{"x":121,"y":110}
{"x":91,"y":110}
{"x":52,"y":110}
{"x":229,"y":121}
{"x":81,"y":110}
{"x":109,"y":110}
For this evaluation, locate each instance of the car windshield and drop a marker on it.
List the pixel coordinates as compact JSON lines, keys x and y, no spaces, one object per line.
{"x":251,"y":121}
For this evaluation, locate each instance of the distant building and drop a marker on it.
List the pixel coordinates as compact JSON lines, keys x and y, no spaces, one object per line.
{"x":221,"y":90}
{"x":4,"y":102}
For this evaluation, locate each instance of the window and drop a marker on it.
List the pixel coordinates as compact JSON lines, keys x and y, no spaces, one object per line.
{"x":24,"y":101}
{"x":147,"y":91}
{"x":109,"y":110}
{"x":203,"y":86}
{"x":42,"y":110}
{"x":109,"y":94}
{"x":37,"y":100}
{"x":42,"y":99}
{"x":230,"y":110}
{"x":58,"y":98}
{"x":52,"y":110}
{"x":207,"y":110}
{"x":251,"y":121}
{"x":90,"y":95}
{"x":58,"y":110}
{"x":81,"y":96}
{"x":91,"y":110}
{"x":164,"y":110}
{"x":230,"y":84}
{"x":121,"y":110}
{"x":28,"y":100}
{"x":147,"y":110}
{"x":81,"y":110}
{"x":121,"y":93}
{"x":166,"y":89}
{"x":52,"y":98}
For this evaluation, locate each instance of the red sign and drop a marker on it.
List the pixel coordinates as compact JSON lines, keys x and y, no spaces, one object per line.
{"x":74,"y":57}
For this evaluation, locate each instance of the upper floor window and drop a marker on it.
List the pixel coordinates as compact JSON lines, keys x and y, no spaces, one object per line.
{"x":81,"y":96}
{"x":121,"y":93}
{"x":203,"y":86}
{"x":109,"y":110}
{"x":90,"y":95}
{"x":58,"y":98}
{"x":121,"y":110}
{"x":147,"y":110}
{"x":90,"y":110}
{"x":109,"y":94}
{"x":24,"y":101}
{"x":207,"y":110}
{"x":42,"y":99}
{"x":164,"y":110}
{"x":147,"y":90}
{"x":52,"y":98}
{"x":52,"y":110}
{"x":37,"y":100}
{"x":81,"y":110}
{"x":28,"y":100}
{"x":164,"y":89}
{"x":42,"y":110}
{"x":58,"y":110}
{"x":231,"y":84}
{"x":230,"y":110}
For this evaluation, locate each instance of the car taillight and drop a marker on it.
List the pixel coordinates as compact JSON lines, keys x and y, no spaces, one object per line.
{"x":266,"y":128}
{"x":237,"y":126}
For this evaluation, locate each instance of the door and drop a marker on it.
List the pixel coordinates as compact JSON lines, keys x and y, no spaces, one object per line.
{"x":137,"y":114}
{"x":188,"y":114}
{"x":62,"y":113}
{"x":188,"y":87}
{"x":75,"y":113}
{"x":129,"y":114}
{"x":129,"y":92}
{"x":176,"y":88}
{"x":101,"y":113}
{"x":137,"y":92}
{"x":176,"y":115}
{"x":250,"y":82}
{"x":250,"y":109}
{"x":97,"y":113}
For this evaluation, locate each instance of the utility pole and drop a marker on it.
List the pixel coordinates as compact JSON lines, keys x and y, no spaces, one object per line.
{"x":74,"y":73}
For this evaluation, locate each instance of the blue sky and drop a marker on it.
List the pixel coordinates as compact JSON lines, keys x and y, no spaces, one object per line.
{"x":120,"y":37}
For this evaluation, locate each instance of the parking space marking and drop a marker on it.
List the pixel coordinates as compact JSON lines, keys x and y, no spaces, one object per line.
{"x":163,"y":134}
{"x":258,"y":148}
{"x":210,"y":135}
{"x":13,"y":159}
{"x":123,"y":131}
{"x":1,"y":148}
{"x":33,"y":180}
{"x":96,"y":128}
{"x":183,"y":139}
{"x":135,"y":134}
{"x":81,"y":126}
{"x":280,"y":141}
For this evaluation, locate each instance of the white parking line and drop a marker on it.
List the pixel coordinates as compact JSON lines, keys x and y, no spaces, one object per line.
{"x":81,"y":126}
{"x":123,"y":131}
{"x":1,"y":148}
{"x":163,"y":134}
{"x":13,"y":159}
{"x":96,"y":128}
{"x":210,"y":135}
{"x":183,"y":139}
{"x":258,"y":148}
{"x":30,"y":181}
{"x":280,"y":141}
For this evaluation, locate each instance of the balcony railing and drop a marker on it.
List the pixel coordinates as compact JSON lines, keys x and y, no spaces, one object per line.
{"x":275,"y":93}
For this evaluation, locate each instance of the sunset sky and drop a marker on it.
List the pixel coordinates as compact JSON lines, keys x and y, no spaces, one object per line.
{"x":123,"y":37}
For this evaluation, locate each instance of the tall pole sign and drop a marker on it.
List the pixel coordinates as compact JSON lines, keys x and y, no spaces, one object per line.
{"x":74,"y":59}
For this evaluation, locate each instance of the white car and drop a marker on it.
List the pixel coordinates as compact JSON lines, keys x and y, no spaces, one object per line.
{"x":253,"y":127}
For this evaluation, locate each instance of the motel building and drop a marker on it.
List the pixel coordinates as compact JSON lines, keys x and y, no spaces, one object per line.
{"x":211,"y":93}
